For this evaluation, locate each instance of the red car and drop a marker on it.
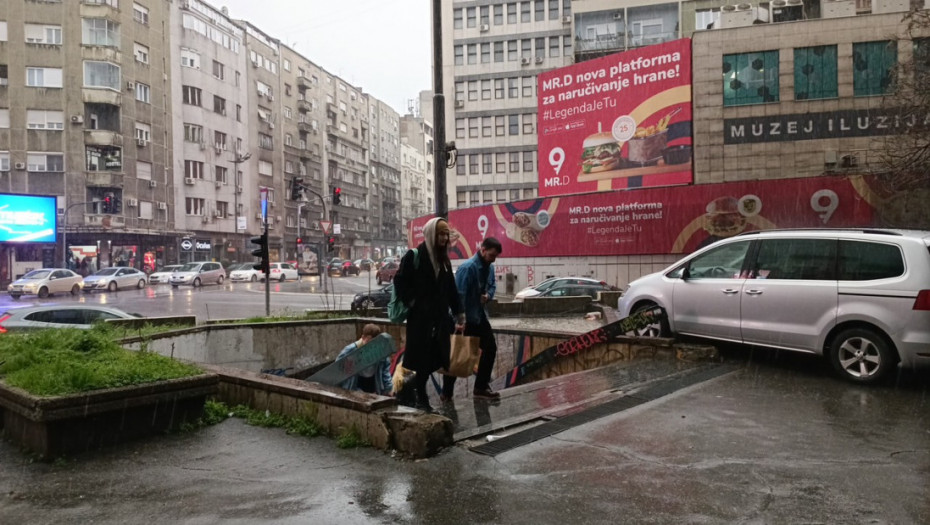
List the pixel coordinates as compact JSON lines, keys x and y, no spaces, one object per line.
{"x":386,"y":272}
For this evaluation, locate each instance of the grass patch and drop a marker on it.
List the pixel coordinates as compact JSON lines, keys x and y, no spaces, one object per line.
{"x":301,"y":426}
{"x":351,"y":438}
{"x":57,"y":362}
{"x":320,"y":315}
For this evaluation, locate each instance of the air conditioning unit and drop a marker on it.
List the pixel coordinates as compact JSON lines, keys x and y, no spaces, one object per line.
{"x":219,"y":184}
{"x":189,"y":181}
{"x":239,"y":189}
{"x":849,"y":161}
{"x":131,"y":203}
{"x":217,"y":213}
{"x":736,"y":16}
{"x":567,"y":19}
{"x":206,"y":218}
{"x":258,"y":215}
{"x":152,"y":184}
{"x":20,"y":165}
{"x":217,"y":149}
{"x":539,"y":60}
{"x":485,"y":27}
{"x":525,"y":61}
{"x":880,"y":7}
{"x":77,"y":119}
{"x":618,"y":16}
{"x":4,"y":82}
{"x":255,"y":63}
{"x":270,"y":97}
{"x":459,"y":103}
{"x":838,"y":8}
{"x":130,"y":85}
{"x":162,"y":206}
{"x":141,"y":142}
{"x":271,"y":125}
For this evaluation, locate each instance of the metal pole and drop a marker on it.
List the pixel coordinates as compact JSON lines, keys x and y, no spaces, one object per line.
{"x":236,"y":183}
{"x":439,"y":115}
{"x":64,"y":232}
{"x":267,"y":277}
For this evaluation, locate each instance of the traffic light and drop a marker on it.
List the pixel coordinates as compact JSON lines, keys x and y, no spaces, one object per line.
{"x":331,"y":243}
{"x":299,"y":241}
{"x":107,"y":204}
{"x":262,"y":253}
{"x":337,"y":195}
{"x":297,"y":189}
{"x":117,"y":205}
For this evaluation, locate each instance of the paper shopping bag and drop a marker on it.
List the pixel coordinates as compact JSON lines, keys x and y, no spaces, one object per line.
{"x":463,"y":356}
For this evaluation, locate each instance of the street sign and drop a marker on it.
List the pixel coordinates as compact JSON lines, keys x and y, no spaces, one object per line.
{"x":337,"y":229}
{"x":326,"y":225}
{"x":240,"y":223}
{"x":264,"y":194}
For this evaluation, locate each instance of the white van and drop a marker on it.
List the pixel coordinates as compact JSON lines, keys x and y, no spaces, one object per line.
{"x":198,"y":273}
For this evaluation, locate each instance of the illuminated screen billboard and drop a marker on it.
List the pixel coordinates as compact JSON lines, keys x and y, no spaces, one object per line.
{"x":616,"y":122}
{"x":659,"y":220}
{"x":27,"y":218}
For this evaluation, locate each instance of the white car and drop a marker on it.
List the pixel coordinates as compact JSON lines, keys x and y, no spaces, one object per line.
{"x":198,"y":273}
{"x":245,"y":272}
{"x":163,"y":275}
{"x":555,"y":282}
{"x":45,"y":282}
{"x":114,"y":278}
{"x":60,"y":316}
{"x":283,"y":272}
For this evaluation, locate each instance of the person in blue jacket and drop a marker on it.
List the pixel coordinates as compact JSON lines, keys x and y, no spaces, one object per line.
{"x":476,"y":284}
{"x":375,"y":379}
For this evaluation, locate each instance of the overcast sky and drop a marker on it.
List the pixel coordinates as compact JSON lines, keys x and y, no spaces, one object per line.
{"x":381,"y":46}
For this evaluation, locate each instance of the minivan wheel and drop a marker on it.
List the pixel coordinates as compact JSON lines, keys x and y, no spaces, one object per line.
{"x":861,"y":355}
{"x":658,"y":329}
{"x":220,"y":280}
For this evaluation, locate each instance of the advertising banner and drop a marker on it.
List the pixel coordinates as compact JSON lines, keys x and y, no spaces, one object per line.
{"x":27,"y":218}
{"x":656,"y":220}
{"x":620,"y":121}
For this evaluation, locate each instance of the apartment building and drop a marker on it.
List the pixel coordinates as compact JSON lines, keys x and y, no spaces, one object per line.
{"x":84,"y":116}
{"x":417,"y":175}
{"x":492,"y":52}
{"x":387,"y":229}
{"x":210,"y":133}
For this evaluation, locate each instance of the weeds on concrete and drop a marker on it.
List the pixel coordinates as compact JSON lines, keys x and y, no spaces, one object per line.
{"x":351,"y":438}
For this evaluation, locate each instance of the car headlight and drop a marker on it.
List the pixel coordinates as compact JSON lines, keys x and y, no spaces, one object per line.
{"x":28,"y":287}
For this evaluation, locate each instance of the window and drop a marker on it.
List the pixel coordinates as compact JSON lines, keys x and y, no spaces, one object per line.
{"x":219,"y":140}
{"x":864,"y":261}
{"x":815,"y":72}
{"x":512,"y":50}
{"x":498,"y":51}
{"x":460,"y":128}
{"x":553,"y":9}
{"x":265,"y":141}
{"x":219,"y":70}
{"x":526,"y":48}
{"x":472,"y":52}
{"x":4,"y":161}
{"x":513,"y":89}
{"x":41,"y":34}
{"x":143,"y":170}
{"x":143,"y":132}
{"x":473,"y":127}
{"x":45,"y":162}
{"x":500,"y":163}
{"x":512,"y":13}
{"x":873,"y":65}
{"x":265,"y":168}
{"x":473,"y":90}
{"x":42,"y":119}
{"x":190,"y":58}
{"x":141,"y":53}
{"x":5,"y":118}
{"x":527,"y":164}
{"x":194,"y":206}
{"x":485,"y":90}
{"x":473,"y":164}
{"x":140,"y":13}
{"x":487,"y":196}
{"x":100,"y":32}
{"x":529,"y":87}
{"x":460,"y":199}
{"x":143,"y":93}
{"x":460,"y":167}
{"x":499,"y":88}
{"x":514,"y":161}
{"x":486,"y":125}
{"x":193,"y":133}
{"x":499,"y":125}
{"x":457,"y":15}
{"x":484,"y":15}
{"x":514,"y":195}
{"x":470,"y":17}
{"x":498,"y":14}
{"x":103,"y":158}
{"x":49,"y":77}
{"x":527,"y":123}
{"x":541,"y":47}
{"x":459,"y":55}
{"x":792,"y":259}
{"x":193,"y":169}
{"x":706,"y":18}
{"x":540,"y":10}
{"x":288,"y":114}
{"x":191,"y":95}
{"x":921,"y":58}
{"x":722,"y":262}
{"x":487,"y":163}
{"x":750,"y":78}
{"x":554,"y":46}
{"x":101,"y":74}
{"x":3,"y":31}
{"x":219,"y":105}
{"x":525,"y":15}
{"x":221,"y":174}
{"x":486,"y":53}
{"x":287,"y":64}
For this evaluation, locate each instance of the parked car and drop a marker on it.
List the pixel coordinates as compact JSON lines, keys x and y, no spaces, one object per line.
{"x":283,"y":272}
{"x":334,"y":267}
{"x":385,"y":274}
{"x":374,"y":299}
{"x":71,"y":316}
{"x":350,"y":268}
{"x":556,"y":282}
{"x":364,"y":265}
{"x":199,"y":273}
{"x":163,"y":275}
{"x":45,"y":282}
{"x":576,"y":290}
{"x":861,"y":298}
{"x":245,"y":272}
{"x":114,"y":278}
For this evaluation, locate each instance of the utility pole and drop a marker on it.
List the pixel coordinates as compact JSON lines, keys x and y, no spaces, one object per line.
{"x":64,"y":232}
{"x":439,"y":115}
{"x":240,"y":158}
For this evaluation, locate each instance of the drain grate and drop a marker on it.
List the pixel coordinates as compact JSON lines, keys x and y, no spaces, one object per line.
{"x":555,"y":426}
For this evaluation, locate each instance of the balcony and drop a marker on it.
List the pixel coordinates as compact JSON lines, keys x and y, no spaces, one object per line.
{"x":304,"y":106}
{"x":305,"y":127}
{"x":90,"y":9}
{"x":105,"y":221}
{"x":303,"y":83}
{"x":101,"y":96}
{"x":107,"y":179}
{"x":102,"y":137}
{"x":102,"y":53}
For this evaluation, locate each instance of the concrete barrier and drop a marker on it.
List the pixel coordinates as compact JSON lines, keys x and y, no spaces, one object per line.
{"x":183,"y":320}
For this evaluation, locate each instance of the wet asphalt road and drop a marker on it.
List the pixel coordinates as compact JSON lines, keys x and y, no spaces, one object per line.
{"x":777,"y":441}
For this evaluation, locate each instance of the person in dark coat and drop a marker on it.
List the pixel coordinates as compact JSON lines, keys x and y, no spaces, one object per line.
{"x":428,"y":289}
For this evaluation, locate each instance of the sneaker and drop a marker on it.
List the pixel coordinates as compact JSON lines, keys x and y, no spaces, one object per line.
{"x":485,"y":393}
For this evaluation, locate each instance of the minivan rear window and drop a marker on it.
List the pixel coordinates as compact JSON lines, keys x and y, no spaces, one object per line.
{"x":865,"y":261}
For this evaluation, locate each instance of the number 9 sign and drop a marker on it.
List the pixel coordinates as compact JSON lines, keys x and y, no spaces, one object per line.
{"x":825,"y":202}
{"x":556,"y":159}
{"x":483,"y":226}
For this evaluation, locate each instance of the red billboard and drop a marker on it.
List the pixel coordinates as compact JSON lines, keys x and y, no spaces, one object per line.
{"x":657,"y":220}
{"x":616,"y":122}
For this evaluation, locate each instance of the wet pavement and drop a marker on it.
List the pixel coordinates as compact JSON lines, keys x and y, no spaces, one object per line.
{"x":776,"y":439}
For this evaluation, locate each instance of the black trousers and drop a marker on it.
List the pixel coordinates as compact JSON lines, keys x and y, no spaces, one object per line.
{"x":488,"y":346}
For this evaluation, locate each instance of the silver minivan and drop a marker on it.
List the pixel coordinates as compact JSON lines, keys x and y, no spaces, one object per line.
{"x":860,"y":297}
{"x":198,"y":273}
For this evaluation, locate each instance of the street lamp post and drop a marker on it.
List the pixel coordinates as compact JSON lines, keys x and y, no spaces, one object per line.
{"x":64,"y":232}
{"x":240,"y":158}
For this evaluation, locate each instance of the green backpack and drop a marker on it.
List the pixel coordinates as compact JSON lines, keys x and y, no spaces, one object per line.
{"x":397,"y":311}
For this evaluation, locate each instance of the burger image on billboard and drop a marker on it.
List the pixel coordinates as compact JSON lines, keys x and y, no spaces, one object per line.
{"x":601,"y":153}
{"x":723,"y":218}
